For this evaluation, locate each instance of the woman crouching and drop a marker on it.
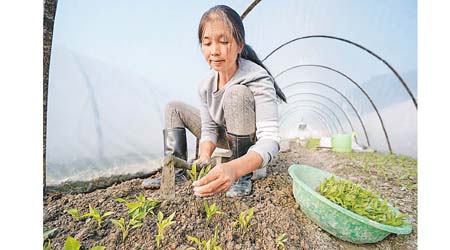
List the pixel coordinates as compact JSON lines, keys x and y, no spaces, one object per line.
{"x":238,"y":111}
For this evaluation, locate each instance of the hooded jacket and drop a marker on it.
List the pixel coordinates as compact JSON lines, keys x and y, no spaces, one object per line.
{"x":258,"y":80}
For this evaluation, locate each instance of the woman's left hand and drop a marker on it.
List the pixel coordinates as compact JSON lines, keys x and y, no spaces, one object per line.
{"x":219,"y":179}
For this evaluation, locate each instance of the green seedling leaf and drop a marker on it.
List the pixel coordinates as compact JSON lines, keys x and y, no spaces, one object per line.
{"x":47,"y":245}
{"x":47,"y":241}
{"x":98,"y":248}
{"x":134,"y":222}
{"x":74,"y":213}
{"x":49,"y":232}
{"x":211,"y":211}
{"x":162,"y":224}
{"x":204,"y":172}
{"x":282,"y":238}
{"x":243,"y":221}
{"x":121,"y":200}
{"x":193,"y":172}
{"x":210,"y":244}
{"x":140,"y":206}
{"x":95,"y":214}
{"x":71,"y":244}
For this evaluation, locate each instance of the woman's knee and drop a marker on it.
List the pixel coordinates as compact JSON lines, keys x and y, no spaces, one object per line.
{"x":238,"y":94}
{"x":173,"y":106}
{"x":239,"y":110}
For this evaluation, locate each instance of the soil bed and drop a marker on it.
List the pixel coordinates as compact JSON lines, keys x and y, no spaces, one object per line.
{"x":275,"y":209}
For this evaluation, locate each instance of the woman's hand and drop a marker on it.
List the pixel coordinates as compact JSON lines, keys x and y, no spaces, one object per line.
{"x":203,"y":161}
{"x":219,"y":179}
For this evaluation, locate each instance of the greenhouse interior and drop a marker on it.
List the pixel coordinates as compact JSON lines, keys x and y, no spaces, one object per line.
{"x":348,"y":71}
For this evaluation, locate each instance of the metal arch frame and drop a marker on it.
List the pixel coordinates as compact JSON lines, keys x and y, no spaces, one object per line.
{"x":322,"y":119}
{"x":331,"y":126}
{"x":249,"y":8}
{"x":355,"y":83}
{"x":323,"y":124}
{"x":325,"y":106}
{"x":331,"y":121}
{"x":341,"y":94}
{"x":357,"y":45}
{"x":340,"y":108}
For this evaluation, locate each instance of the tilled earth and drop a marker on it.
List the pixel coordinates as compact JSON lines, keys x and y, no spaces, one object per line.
{"x":275,"y":209}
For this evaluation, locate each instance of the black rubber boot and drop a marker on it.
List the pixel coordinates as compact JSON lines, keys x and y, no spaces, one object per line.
{"x":239,"y":145}
{"x":175,"y":143}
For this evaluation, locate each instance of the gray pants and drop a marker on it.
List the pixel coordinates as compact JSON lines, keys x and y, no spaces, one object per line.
{"x":239,"y":115}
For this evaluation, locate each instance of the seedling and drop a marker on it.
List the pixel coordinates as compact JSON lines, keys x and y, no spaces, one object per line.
{"x":204,"y":171}
{"x":193,"y":172}
{"x":162,"y":225}
{"x":94,"y":213}
{"x":48,"y":243}
{"x":73,"y":244}
{"x":243,"y":221}
{"x":280,"y":241}
{"x":196,"y":176}
{"x":211,"y":210}
{"x":74,"y":212}
{"x":143,"y":205}
{"x":359,"y":200}
{"x":134,"y":222}
{"x":210,"y":244}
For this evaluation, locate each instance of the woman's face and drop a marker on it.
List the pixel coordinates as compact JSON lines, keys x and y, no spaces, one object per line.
{"x":219,"y":47}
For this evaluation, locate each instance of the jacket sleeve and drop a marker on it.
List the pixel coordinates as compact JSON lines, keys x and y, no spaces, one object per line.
{"x":267,"y":122}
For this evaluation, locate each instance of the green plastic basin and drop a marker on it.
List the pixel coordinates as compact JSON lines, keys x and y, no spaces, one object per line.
{"x":341,"y":143}
{"x":338,"y":221}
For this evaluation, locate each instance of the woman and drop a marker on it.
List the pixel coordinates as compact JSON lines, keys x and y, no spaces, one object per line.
{"x":238,"y":103}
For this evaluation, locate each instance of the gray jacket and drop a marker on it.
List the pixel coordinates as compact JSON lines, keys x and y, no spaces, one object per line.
{"x":260,"y":83}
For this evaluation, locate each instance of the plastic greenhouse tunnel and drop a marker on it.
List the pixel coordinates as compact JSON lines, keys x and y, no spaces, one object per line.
{"x":349,"y":74}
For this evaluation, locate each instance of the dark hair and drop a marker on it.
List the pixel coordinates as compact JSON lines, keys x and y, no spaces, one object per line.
{"x":232,"y":19}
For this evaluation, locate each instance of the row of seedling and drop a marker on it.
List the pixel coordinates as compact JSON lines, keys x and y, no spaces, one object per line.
{"x":242,"y":223}
{"x":139,"y":209}
{"x":398,"y":168}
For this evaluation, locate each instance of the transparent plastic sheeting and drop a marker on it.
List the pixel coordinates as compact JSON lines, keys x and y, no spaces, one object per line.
{"x":116,"y":65}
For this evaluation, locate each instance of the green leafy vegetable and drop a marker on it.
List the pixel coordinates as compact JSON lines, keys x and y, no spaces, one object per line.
{"x":280,"y":241}
{"x":361,"y":201}
{"x":142,"y":205}
{"x":243,"y":221}
{"x":94,"y":213}
{"x":73,"y":244}
{"x":134,"y":222}
{"x":194,"y":175}
{"x":74,"y":212}
{"x":47,"y":241}
{"x":162,"y":225}
{"x":210,"y":244}
{"x":211,"y":210}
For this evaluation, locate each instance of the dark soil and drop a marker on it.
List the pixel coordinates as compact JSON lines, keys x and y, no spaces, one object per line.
{"x":275,"y":209}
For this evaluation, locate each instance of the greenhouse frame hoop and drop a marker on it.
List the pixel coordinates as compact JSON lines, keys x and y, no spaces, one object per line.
{"x":341,"y":94}
{"x":405,"y":86}
{"x":355,"y":83}
{"x":331,"y":121}
{"x":322,"y":118}
{"x":316,"y":102}
{"x":340,"y":108}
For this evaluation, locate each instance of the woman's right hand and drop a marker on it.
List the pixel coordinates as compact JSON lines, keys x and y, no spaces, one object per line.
{"x":203,"y":161}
